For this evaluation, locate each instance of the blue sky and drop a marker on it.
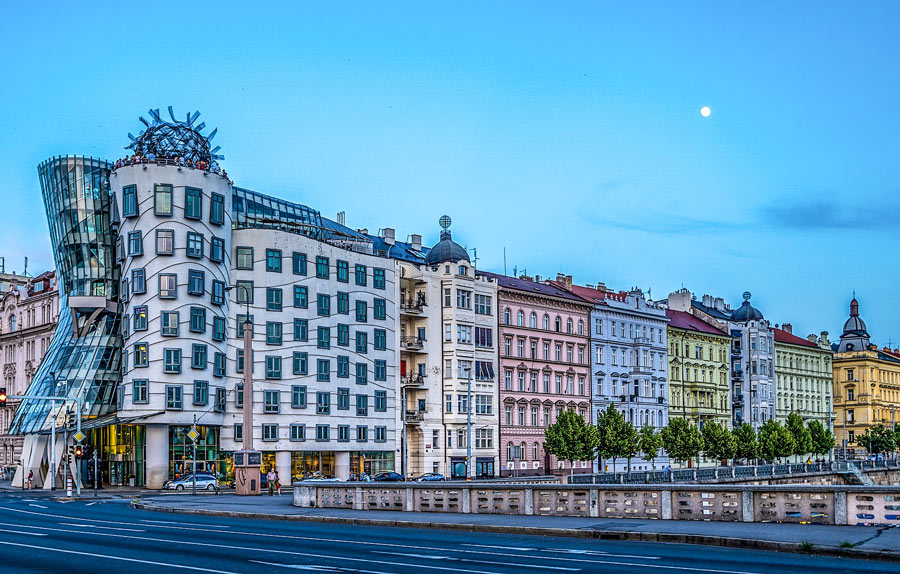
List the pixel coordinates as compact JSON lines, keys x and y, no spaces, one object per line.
{"x":567,"y":132}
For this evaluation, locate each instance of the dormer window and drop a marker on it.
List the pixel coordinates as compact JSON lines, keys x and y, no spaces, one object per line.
{"x":462,"y":269}
{"x":447,"y":269}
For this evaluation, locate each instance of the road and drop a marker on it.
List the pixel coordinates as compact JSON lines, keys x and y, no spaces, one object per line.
{"x":38,"y":534}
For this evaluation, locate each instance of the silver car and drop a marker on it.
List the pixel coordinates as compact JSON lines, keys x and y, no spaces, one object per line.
{"x":204,"y":482}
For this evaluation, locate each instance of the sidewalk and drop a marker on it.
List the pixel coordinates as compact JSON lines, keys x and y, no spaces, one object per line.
{"x":857,"y":541}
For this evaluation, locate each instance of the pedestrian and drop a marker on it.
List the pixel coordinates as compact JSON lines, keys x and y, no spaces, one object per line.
{"x":277,"y":483}
{"x":270,"y":481}
{"x":30,"y":479}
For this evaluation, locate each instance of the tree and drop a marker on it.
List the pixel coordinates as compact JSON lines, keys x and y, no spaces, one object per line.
{"x":822,"y":438}
{"x":718,"y":442}
{"x":630,"y":443}
{"x":775,"y":440}
{"x":681,"y":439}
{"x":877,"y":439}
{"x":571,"y":438}
{"x":746,"y":444}
{"x":800,"y":434}
{"x":650,"y":443}
{"x":610,"y":424}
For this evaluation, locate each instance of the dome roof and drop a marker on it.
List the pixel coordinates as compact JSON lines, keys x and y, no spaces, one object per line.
{"x":746,"y":312}
{"x":446,"y":250}
{"x":176,"y":138}
{"x":855,"y":324}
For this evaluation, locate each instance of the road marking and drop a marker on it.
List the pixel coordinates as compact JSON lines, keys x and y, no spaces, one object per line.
{"x":23,"y":532}
{"x":90,"y":504}
{"x":562,"y":550}
{"x":318,"y":567}
{"x":104,"y":527}
{"x":515,"y":548}
{"x":108,"y":557}
{"x":183,"y":523}
{"x":37,"y":506}
{"x":453,"y":559}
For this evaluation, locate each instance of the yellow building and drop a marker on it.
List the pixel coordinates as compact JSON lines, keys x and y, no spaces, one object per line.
{"x":866,"y":383}
{"x":699,"y":381}
{"x":803,"y":376}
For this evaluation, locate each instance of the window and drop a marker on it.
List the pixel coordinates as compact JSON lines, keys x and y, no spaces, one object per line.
{"x":323,"y":304}
{"x":343,"y":303}
{"x":323,"y":370}
{"x":140,"y":318}
{"x":193,"y":203}
{"x":273,"y":299}
{"x":322,"y":267}
{"x":380,"y":401}
{"x":198,"y":320}
{"x":139,"y":391}
{"x":273,"y":260}
{"x":362,"y":405}
{"x":167,"y":286}
{"x":520,"y":318}
{"x":379,"y":340}
{"x":194,"y":244}
{"x":273,"y":367}
{"x":196,"y":281}
{"x":217,"y":209}
{"x":298,"y":432}
{"x":362,"y":373}
{"x":463,"y":299}
{"x":447,"y":297}
{"x":219,"y":365}
{"x":322,"y":434}
{"x":484,"y":404}
{"x":272,"y":401}
{"x":378,"y":281}
{"x":323,"y":403}
{"x":219,"y":406}
{"x":217,"y":249}
{"x":168,"y":326}
{"x":379,"y":309}
{"x":464,"y":334}
{"x":343,"y":271}
{"x":165,"y":242}
{"x":129,"y":201}
{"x":138,"y":281}
{"x":201,"y":392}
{"x":343,"y":399}
{"x":198,"y":356}
{"x":360,"y":275}
{"x":484,"y":371}
{"x":298,"y":396}
{"x":217,"y":297}
{"x":380,"y":434}
{"x":484,"y":438}
{"x":361,"y":312}
{"x":238,"y":432}
{"x":244,"y":292}
{"x":362,"y":343}
{"x":343,"y":433}
{"x":174,"y":397}
{"x":135,"y":243}
{"x":162,"y":199}
{"x":299,"y":263}
{"x":239,"y":395}
{"x":301,"y":330}
{"x":270,"y":432}
{"x":323,"y":338}
{"x":343,"y":367}
{"x":140,"y":354}
{"x":301,"y":297}
{"x":172,"y":361}
{"x":218,"y":333}
{"x":301,"y":363}
{"x":380,"y":370}
{"x":482,"y":304}
{"x":273,"y":333}
{"x":243,"y":257}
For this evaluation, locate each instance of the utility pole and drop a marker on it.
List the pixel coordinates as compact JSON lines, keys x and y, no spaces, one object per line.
{"x":194,"y":457}
{"x":96,"y":470}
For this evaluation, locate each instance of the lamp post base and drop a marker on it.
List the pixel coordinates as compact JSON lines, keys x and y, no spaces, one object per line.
{"x":246,"y":472}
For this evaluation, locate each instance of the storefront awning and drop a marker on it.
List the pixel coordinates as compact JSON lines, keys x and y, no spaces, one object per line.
{"x":104,"y":421}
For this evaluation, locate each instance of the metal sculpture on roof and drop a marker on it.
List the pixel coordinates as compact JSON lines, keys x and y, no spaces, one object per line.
{"x":176,"y":138}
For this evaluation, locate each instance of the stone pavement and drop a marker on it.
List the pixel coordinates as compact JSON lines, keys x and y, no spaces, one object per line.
{"x":861,"y":541}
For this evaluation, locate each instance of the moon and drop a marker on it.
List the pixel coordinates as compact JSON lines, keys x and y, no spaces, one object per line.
{"x":705,"y":111}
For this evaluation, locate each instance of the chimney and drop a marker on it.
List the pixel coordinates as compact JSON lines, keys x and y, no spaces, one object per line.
{"x":342,"y":217}
{"x":565,"y":281}
{"x":537,"y":278}
{"x":389,"y":235}
{"x":811,"y":338}
{"x":416,"y":241}
{"x":788,"y":328}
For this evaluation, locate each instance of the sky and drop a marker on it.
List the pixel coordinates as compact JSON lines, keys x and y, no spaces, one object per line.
{"x":559,"y":136}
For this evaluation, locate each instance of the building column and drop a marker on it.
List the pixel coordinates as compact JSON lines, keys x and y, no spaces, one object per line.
{"x":342,"y":465}
{"x":34,"y":448}
{"x":157,"y":467}
{"x":283,"y":467}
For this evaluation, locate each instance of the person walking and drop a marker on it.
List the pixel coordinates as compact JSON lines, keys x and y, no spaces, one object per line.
{"x":277,"y":483}
{"x":30,"y":479}
{"x":270,"y":480}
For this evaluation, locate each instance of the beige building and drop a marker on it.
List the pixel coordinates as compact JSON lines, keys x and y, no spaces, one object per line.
{"x":803,"y":376}
{"x":28,"y":315}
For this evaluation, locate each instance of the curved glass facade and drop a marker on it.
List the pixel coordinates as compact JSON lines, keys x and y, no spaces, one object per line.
{"x":84,"y":356}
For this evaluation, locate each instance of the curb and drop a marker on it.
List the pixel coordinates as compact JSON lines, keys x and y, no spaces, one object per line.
{"x":623,"y":535}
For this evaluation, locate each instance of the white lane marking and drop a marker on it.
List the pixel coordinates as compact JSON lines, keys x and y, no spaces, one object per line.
{"x":104,"y":527}
{"x":108,"y":557}
{"x":183,"y":523}
{"x":37,"y":506}
{"x":23,"y":532}
{"x":453,"y":559}
{"x":562,"y":550}
{"x":90,"y":504}
{"x":318,"y":567}
{"x":515,"y":548}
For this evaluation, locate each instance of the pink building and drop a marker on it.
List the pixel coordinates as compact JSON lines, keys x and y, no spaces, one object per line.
{"x":544,"y":368}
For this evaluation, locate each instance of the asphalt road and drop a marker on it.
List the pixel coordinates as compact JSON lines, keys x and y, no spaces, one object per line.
{"x":38,"y":534}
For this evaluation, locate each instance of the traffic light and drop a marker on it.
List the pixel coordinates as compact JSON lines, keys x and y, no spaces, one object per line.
{"x":3,"y":396}
{"x":79,"y":451}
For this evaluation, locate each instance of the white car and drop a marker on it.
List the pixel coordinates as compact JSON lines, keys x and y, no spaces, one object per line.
{"x":204,"y":482}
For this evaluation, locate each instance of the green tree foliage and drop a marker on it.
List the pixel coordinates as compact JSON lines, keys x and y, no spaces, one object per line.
{"x":630,"y":443}
{"x":651,"y":442}
{"x":681,"y":439}
{"x":877,"y":439}
{"x":571,"y":438}
{"x":610,"y":427}
{"x":745,"y":442}
{"x":718,"y":442}
{"x":801,"y":435}
{"x":775,"y":440}
{"x":822,"y":438}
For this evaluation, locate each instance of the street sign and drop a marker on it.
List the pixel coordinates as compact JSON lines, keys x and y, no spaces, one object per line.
{"x":79,"y":436}
{"x":193,"y":434}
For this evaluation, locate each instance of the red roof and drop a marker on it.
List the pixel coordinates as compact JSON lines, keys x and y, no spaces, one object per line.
{"x":686,"y":321}
{"x":595,"y":295}
{"x":782,"y":336}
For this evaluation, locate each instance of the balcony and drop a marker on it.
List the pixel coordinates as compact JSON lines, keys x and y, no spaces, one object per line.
{"x":412,"y":343}
{"x":660,"y":400}
{"x":641,"y":370}
{"x":412,"y":306}
{"x":642,"y":340}
{"x":414,"y":417}
{"x":623,"y":398}
{"x":413,"y":380}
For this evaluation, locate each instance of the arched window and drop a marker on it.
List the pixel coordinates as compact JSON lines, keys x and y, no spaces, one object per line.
{"x":659,"y":421}
{"x":580,"y":327}
{"x":509,"y":451}
{"x":558,"y":324}
{"x":12,"y":323}
{"x":507,"y":316}
{"x":546,"y":322}
{"x":523,"y":452}
{"x":569,"y":326}
{"x":534,"y":451}
{"x":532,"y":320}
{"x":520,"y":318}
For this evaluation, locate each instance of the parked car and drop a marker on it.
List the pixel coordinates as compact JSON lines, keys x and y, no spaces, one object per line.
{"x":431,"y":476}
{"x":388,"y":477}
{"x":204,"y":482}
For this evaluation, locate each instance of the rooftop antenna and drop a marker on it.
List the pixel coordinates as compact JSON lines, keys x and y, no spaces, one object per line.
{"x":25,"y":272}
{"x":2,"y":264}
{"x":475,"y":257}
{"x":504,"y":260}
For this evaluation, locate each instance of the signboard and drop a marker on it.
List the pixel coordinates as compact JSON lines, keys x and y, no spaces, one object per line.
{"x":79,"y":436}
{"x":193,"y":434}
{"x":254,"y":458}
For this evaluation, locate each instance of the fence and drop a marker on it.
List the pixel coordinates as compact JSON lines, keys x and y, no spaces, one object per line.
{"x":819,"y":504}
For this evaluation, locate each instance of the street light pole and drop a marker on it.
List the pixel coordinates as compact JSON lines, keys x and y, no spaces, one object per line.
{"x":469,"y":467}
{"x":52,"y":436}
